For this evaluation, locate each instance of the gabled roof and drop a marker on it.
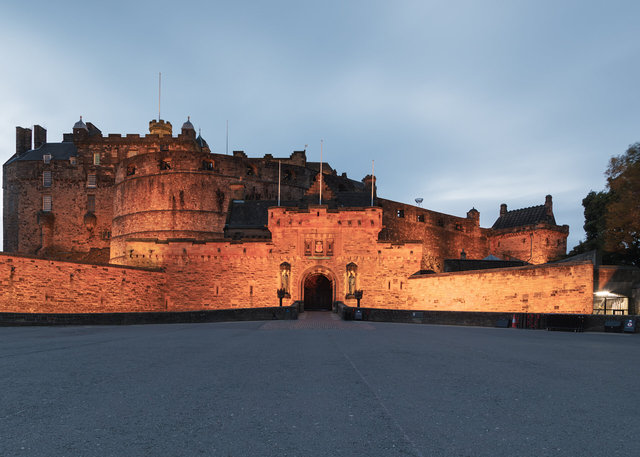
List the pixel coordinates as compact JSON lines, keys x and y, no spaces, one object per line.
{"x":525,"y":216}
{"x":58,"y":151}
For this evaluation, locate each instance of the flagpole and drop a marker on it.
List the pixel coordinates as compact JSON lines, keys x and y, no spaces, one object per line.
{"x":372,"y":180}
{"x":320,"y":172}
{"x":279,"y":174}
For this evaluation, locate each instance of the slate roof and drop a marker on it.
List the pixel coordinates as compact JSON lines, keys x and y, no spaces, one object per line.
{"x":201,"y":142}
{"x":58,"y":151}
{"x":245,"y":214}
{"x":525,"y":216}
{"x":252,"y":213}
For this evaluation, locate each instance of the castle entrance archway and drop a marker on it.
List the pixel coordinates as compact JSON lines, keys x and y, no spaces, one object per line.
{"x":318,"y":292}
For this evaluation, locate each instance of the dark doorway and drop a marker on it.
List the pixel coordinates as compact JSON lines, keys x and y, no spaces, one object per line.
{"x":317,"y":293}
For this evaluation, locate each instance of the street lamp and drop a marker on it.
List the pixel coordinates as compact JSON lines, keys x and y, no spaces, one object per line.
{"x":281,"y":294}
{"x":358,"y":296}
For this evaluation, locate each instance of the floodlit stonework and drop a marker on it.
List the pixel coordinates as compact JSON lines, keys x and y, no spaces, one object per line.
{"x":152,"y":223}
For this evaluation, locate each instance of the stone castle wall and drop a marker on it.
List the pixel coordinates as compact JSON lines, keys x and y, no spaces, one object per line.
{"x":33,"y":285}
{"x":551,"y":288}
{"x":443,"y":236}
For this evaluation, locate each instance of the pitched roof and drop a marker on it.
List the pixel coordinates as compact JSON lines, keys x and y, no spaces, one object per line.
{"x":524,"y":216}
{"x":245,"y":214}
{"x":58,"y":151}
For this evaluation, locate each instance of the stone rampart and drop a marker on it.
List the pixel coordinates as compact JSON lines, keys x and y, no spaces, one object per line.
{"x":549,"y":288}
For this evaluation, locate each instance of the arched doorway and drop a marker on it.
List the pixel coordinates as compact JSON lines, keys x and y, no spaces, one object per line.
{"x":318,"y":293}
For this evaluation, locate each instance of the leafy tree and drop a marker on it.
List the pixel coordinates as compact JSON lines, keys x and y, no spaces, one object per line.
{"x":595,"y":207}
{"x":612,"y":216}
{"x":622,"y":233}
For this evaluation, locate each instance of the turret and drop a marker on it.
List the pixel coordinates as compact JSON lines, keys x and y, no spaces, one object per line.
{"x":474,"y":215}
{"x":368,"y":182}
{"x":160,"y":127}
{"x":187,"y":129}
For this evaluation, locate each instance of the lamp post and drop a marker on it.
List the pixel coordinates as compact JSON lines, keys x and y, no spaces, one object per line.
{"x":281,"y":294}
{"x":358,"y":295}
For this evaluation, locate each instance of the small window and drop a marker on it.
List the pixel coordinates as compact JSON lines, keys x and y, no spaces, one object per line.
{"x":91,"y":181}
{"x":46,"y":203}
{"x":131,"y":170}
{"x":46,"y":178}
{"x":46,"y":158}
{"x":91,"y":203}
{"x":207,"y":165}
{"x":165,"y":165}
{"x":420,"y":217}
{"x":73,"y":160}
{"x":400,"y":213}
{"x":96,"y":158}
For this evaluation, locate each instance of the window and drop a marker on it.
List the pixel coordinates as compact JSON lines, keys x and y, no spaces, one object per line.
{"x":91,"y":203}
{"x":46,"y":158}
{"x":400,"y":213}
{"x":46,"y":178}
{"x":91,"y":181}
{"x":131,"y":170}
{"x":46,"y":203}
{"x":165,"y":164}
{"x":96,"y":158}
{"x":420,"y":217}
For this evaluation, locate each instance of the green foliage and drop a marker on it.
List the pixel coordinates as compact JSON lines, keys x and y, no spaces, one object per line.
{"x":595,"y":205}
{"x":622,"y":234}
{"x":612,"y":217}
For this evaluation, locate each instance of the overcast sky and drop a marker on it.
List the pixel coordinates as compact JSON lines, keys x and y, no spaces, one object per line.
{"x":463,"y":103}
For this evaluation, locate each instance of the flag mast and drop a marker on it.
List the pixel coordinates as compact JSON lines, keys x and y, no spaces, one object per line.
{"x":372,"y":180}
{"x":320,"y":172}
{"x":279,"y":174}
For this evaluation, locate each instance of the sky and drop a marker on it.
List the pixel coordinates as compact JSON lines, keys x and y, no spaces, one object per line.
{"x":462,"y":103}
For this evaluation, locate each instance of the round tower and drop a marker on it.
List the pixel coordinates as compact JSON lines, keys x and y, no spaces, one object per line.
{"x":170,"y":190}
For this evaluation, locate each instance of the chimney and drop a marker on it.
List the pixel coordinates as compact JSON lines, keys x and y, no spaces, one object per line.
{"x":23,"y":140}
{"x":503,"y":209}
{"x":39,"y":136}
{"x":237,"y":190}
{"x":548,"y":205}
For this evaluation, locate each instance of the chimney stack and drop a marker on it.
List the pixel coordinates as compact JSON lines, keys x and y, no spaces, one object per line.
{"x":548,"y":205}
{"x":39,"y":136}
{"x":23,"y":140}
{"x":503,"y":209}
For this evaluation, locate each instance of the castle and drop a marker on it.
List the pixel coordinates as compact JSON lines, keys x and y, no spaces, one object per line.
{"x":200,"y":230}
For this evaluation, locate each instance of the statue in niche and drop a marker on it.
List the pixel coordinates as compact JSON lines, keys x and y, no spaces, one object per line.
{"x":352,"y":270}
{"x":285,"y":274}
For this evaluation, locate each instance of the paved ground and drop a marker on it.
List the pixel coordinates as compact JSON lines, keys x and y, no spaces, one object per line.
{"x":316,"y":387}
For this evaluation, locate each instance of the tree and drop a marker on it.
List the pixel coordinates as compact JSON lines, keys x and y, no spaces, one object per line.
{"x":622,"y":233}
{"x":595,"y":208}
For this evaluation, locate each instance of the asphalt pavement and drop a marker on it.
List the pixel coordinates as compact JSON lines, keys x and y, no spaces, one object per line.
{"x":318,"y":386}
